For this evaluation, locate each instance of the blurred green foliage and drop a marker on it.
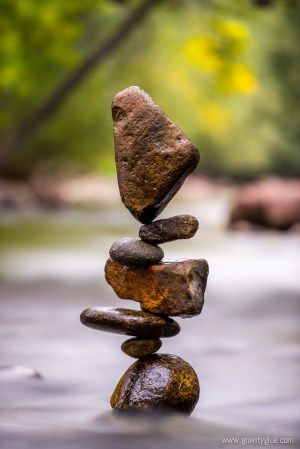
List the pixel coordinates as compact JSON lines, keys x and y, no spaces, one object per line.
{"x":226,"y":71}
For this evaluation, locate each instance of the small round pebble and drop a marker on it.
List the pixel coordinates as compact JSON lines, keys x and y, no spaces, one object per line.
{"x":139,"y":347}
{"x":135,"y":252}
{"x":169,"y":229}
{"x":157,"y":382}
{"x":136,"y":323}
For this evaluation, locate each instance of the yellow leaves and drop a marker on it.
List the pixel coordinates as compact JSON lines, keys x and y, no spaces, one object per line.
{"x":242,"y":79}
{"x":222,"y":53}
{"x":215,"y":118}
{"x":234,"y":30}
{"x":201,"y":51}
{"x":238,"y":79}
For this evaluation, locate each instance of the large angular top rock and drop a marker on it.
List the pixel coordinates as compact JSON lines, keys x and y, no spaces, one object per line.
{"x":153,"y":156}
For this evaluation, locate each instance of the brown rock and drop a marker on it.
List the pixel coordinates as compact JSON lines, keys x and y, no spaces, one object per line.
{"x":169,"y":288}
{"x":153,"y":156}
{"x":139,"y":347}
{"x":159,"y":382}
{"x":129,"y":322}
{"x":166,"y":230}
{"x":135,"y":252}
{"x":271,"y":203}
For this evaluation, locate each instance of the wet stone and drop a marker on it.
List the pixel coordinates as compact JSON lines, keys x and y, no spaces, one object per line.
{"x":153,"y":156}
{"x":129,"y":322}
{"x":135,"y":252}
{"x":169,"y":229}
{"x":160,"y":382}
{"x":168,"y":288}
{"x":139,"y":347}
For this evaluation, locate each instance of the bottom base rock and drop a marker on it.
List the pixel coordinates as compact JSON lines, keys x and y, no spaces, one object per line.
{"x":157,"y":382}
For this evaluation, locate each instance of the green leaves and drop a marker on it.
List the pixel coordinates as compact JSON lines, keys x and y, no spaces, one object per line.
{"x":224,"y":70}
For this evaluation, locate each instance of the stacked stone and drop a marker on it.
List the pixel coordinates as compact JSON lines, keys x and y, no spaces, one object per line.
{"x":153,"y":158}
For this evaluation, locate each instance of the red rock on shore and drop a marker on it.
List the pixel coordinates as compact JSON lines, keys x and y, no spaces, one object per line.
{"x":272,"y":203}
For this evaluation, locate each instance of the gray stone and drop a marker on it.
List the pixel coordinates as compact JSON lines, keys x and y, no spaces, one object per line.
{"x":129,"y":322}
{"x":135,"y":252}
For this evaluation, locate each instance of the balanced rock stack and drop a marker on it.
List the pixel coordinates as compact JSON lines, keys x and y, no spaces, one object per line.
{"x":153,"y":158}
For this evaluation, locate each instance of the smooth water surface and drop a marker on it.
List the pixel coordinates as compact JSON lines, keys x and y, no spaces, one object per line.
{"x":244,"y":346}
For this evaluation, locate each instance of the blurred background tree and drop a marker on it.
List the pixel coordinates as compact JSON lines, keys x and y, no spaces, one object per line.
{"x":226,"y":71}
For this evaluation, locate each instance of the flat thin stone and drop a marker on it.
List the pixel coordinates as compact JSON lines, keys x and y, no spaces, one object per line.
{"x":135,"y":252}
{"x":140,"y":347}
{"x":168,"y":288}
{"x":129,"y":322}
{"x":153,"y":156}
{"x":158,"y":382}
{"x":169,"y":229}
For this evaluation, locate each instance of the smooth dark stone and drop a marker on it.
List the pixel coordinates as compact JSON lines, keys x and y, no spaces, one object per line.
{"x":169,"y":229}
{"x":137,"y":347}
{"x":135,"y":252}
{"x":167,"y":288}
{"x":129,"y":322}
{"x":153,"y":156}
{"x":158,"y":382}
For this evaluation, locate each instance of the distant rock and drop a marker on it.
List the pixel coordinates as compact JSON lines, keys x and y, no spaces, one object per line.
{"x":16,"y":372}
{"x":153,"y":156}
{"x":271,"y":203}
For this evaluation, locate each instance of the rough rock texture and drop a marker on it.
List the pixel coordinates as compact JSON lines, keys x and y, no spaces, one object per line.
{"x":129,"y":322}
{"x":168,"y":229}
{"x":135,"y":252}
{"x":139,"y":347}
{"x":169,"y":288}
{"x":157,"y":382}
{"x":153,"y":156}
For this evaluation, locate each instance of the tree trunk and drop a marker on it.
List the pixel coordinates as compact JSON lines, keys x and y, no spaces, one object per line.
{"x":17,"y":136}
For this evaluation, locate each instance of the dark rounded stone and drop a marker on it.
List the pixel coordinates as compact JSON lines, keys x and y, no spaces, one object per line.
{"x":129,"y":322}
{"x":158,"y":382}
{"x":139,"y":347}
{"x":169,"y":229}
{"x":135,"y":252}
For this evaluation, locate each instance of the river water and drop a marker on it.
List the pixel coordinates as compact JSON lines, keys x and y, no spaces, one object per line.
{"x":244,"y":346}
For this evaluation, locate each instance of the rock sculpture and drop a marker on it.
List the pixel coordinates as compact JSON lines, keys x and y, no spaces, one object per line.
{"x":153,"y":158}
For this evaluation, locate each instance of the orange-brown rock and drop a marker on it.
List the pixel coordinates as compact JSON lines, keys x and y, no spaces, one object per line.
{"x":169,"y":288}
{"x":153,"y":156}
